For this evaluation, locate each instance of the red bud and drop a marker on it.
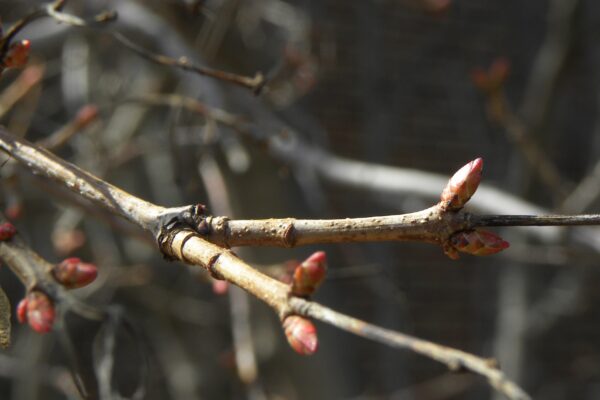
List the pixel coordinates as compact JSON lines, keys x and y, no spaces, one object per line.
{"x":301,"y":334}
{"x":22,"y":311}
{"x":72,"y":273}
{"x":462,"y":185}
{"x":7,"y":231}
{"x":40,"y":311}
{"x":478,"y":242}
{"x":17,"y":55}
{"x":309,"y":275}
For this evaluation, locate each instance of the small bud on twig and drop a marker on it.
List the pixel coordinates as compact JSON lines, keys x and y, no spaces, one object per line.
{"x":476,"y":242}
{"x":301,"y":334}
{"x":37,"y":309}
{"x":462,"y":185}
{"x":7,"y":231}
{"x":17,"y":55}
{"x":72,"y":273}
{"x":309,"y":275}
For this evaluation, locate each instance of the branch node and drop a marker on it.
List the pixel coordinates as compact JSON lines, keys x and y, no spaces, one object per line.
{"x":210,"y":266}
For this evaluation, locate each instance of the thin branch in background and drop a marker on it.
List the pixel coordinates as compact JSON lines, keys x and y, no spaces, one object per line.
{"x":256,"y":83}
{"x":173,"y":100}
{"x":52,"y":10}
{"x":585,"y":194}
{"x":85,"y":116}
{"x":239,"y":305}
{"x":491,"y":83}
{"x":26,"y":80}
{"x":563,"y":20}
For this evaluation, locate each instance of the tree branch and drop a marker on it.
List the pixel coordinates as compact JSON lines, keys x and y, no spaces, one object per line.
{"x":188,"y":246}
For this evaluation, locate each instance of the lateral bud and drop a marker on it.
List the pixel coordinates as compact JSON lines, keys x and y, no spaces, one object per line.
{"x":475,"y":242}
{"x":462,"y":185}
{"x":72,"y":273}
{"x":301,"y":334}
{"x":38,"y":310}
{"x":309,"y":275}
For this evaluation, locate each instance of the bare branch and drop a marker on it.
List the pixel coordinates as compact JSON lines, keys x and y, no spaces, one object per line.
{"x":256,"y":83}
{"x":454,"y":359}
{"x":188,"y":246}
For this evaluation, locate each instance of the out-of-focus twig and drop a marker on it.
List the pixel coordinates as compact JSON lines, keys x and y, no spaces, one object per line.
{"x":256,"y":83}
{"x":26,"y":80}
{"x":245,"y":354}
{"x":491,"y":83}
{"x":85,"y":116}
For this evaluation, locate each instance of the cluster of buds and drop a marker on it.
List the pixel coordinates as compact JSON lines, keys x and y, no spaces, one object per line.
{"x":476,"y":242}
{"x":462,"y":186}
{"x":73,"y":273}
{"x":301,"y":334}
{"x":455,"y":195}
{"x":37,"y":309}
{"x":17,"y":54}
{"x":7,"y":231}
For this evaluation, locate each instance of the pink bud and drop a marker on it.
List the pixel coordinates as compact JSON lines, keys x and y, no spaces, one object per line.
{"x":462,"y":185}
{"x":17,"y":55}
{"x":22,"y":311}
{"x":220,"y":287}
{"x":72,"y":273}
{"x":86,"y":115}
{"x":478,"y":242}
{"x":301,"y":334}
{"x":40,"y":312}
{"x":309,"y":275}
{"x":7,"y":231}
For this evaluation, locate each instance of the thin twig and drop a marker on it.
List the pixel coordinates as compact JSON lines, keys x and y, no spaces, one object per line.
{"x":454,"y":359}
{"x":26,"y":80}
{"x":256,"y":83}
{"x":535,"y":220}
